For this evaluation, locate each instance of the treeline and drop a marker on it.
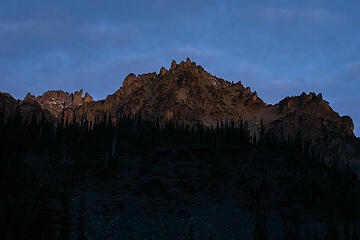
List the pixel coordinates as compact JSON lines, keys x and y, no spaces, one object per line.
{"x":107,"y":138}
{"x":62,"y":148}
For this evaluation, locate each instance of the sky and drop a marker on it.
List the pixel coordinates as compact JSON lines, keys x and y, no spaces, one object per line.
{"x":278,"y":48}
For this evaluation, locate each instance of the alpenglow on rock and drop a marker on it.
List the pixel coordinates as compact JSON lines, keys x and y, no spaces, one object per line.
{"x":187,"y":94}
{"x":52,"y":102}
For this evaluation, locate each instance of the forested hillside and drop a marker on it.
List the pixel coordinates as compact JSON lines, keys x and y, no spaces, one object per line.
{"x":50,"y":173}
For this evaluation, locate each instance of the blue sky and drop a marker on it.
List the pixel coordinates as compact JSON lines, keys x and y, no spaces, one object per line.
{"x":278,"y":48}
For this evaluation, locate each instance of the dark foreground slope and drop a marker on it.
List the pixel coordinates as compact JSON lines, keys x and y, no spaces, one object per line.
{"x":139,"y":179}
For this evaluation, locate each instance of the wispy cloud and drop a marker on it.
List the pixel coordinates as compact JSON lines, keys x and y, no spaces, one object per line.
{"x":281,"y":14}
{"x":353,"y":69}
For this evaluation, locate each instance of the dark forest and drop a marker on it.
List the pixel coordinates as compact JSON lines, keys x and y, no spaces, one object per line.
{"x":46,"y":166}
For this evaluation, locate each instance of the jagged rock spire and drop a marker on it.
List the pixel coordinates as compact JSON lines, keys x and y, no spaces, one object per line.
{"x":173,"y":65}
{"x":129,"y":79}
{"x":188,"y":61}
{"x":78,"y":99}
{"x":29,"y":97}
{"x":88,"y":98}
{"x":163,"y":71}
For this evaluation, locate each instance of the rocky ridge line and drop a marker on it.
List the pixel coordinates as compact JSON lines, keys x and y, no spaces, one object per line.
{"x":187,"y":94}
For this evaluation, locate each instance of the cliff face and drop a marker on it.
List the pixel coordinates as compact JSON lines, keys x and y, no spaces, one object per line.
{"x":186,"y":93}
{"x":29,"y":108}
{"x":50,"y":105}
{"x":57,"y":101}
{"x":8,"y":104}
{"x":313,"y":115}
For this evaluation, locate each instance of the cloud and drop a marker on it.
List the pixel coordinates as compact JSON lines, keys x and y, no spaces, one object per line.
{"x":353,"y":70}
{"x":346,"y":77}
{"x":281,"y":14}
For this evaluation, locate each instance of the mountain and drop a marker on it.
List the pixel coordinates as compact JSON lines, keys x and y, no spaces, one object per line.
{"x":187,"y":94}
{"x":273,"y":169}
{"x":56,"y":101}
{"x":49,"y":105}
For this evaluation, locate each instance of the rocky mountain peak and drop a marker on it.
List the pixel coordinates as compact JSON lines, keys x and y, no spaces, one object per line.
{"x":6,"y":95}
{"x":173,"y":65}
{"x":163,"y":71}
{"x":88,"y":98}
{"x":78,"y":99}
{"x":186,"y":93}
{"x":304,"y":101}
{"x":186,"y":65}
{"x":29,"y":97}
{"x":54,"y":101}
{"x":188,"y":61}
{"x":129,"y":80}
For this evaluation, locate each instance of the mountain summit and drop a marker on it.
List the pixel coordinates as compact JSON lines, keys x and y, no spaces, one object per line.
{"x":187,"y":94}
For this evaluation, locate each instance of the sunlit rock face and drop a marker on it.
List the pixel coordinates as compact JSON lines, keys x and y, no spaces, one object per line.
{"x":187,"y":94}
{"x":56,"y":101}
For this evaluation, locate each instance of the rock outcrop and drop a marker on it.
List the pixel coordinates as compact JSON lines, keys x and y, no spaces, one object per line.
{"x":77,"y":98}
{"x":28,"y":108}
{"x":8,"y":105}
{"x":313,"y":115}
{"x":187,"y":94}
{"x":57,"y":101}
{"x":88,"y":98}
{"x":193,"y":95}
